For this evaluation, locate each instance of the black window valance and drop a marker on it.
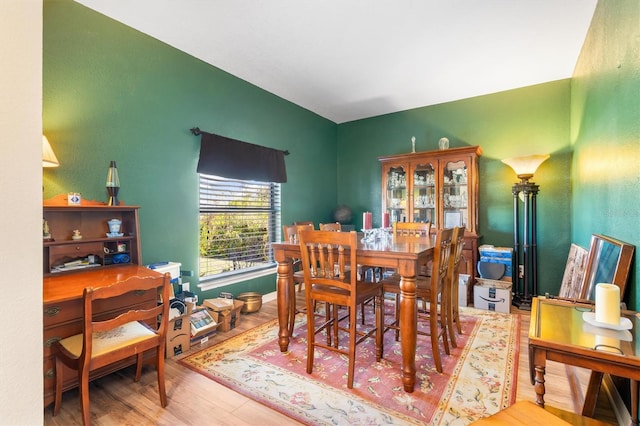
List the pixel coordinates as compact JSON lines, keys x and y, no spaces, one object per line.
{"x":233,"y":159}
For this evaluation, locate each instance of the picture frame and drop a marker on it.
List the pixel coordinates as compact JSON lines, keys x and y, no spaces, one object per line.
{"x":452,"y":219}
{"x":573,"y":277}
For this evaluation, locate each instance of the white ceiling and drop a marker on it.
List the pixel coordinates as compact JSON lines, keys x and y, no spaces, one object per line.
{"x":352,"y":59}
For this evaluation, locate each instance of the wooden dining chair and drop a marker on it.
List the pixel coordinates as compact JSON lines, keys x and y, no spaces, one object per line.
{"x":290,"y":234}
{"x":296,"y":274}
{"x":453,"y":317}
{"x":407,"y":230}
{"x":449,"y":296}
{"x":431,"y":289}
{"x":333,"y":226}
{"x":104,"y":341}
{"x":362,"y":271}
{"x":305,"y":222}
{"x":326,"y":256}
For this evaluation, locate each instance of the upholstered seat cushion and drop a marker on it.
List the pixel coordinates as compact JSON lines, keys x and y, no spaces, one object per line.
{"x":108,"y":341}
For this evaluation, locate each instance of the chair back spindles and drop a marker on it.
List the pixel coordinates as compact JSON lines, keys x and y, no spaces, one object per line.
{"x":411,"y":229}
{"x":330,"y":227}
{"x":290,"y":232}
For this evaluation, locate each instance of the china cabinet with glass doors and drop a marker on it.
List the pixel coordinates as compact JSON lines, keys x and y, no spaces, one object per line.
{"x":440,"y":187}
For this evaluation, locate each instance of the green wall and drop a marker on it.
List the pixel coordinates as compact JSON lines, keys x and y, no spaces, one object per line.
{"x":530,"y":120}
{"x":113,"y":93}
{"x":605,"y":131}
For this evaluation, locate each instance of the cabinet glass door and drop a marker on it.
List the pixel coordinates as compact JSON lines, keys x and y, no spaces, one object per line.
{"x":396,"y":194}
{"x":455,"y":194}
{"x":424,"y":193}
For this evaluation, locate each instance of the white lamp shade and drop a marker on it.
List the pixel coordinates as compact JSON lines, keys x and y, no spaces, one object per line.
{"x":49,"y":159}
{"x":527,"y":165}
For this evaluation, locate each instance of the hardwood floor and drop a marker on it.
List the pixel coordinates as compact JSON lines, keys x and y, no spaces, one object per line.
{"x":197,"y":400}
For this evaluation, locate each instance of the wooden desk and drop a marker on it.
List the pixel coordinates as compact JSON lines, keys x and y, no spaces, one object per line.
{"x":558,"y":333}
{"x":62,"y":313}
{"x":403,"y":254}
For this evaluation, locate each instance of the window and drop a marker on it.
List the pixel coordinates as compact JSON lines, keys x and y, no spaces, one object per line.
{"x":239,"y":220}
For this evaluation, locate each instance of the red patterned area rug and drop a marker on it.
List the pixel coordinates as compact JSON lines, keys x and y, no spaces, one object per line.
{"x":479,"y":375}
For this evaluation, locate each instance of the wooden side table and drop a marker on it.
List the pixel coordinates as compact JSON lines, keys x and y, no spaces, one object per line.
{"x":559,"y":333}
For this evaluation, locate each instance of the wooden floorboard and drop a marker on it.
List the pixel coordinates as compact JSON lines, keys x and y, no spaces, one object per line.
{"x":197,"y":400}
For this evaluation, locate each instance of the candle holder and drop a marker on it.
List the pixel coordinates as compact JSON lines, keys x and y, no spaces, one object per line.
{"x":377,"y":235}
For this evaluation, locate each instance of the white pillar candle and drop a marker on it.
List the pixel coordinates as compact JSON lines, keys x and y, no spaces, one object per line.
{"x":608,"y":303}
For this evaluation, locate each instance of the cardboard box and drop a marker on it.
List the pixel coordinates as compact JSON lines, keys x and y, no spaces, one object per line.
{"x":178,"y":336}
{"x":492,"y":295}
{"x":502,"y":284}
{"x":230,"y":318}
{"x":497,"y":252}
{"x":218,"y":304}
{"x":228,"y":311}
{"x":178,"y":329}
{"x":201,"y":339}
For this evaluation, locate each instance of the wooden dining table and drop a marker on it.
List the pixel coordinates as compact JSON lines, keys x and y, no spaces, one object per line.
{"x":404,"y":254}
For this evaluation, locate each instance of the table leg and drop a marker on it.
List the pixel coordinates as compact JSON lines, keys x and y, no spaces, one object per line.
{"x":409,"y":321}
{"x":284,"y":294}
{"x":532,"y":370}
{"x":292,"y":301}
{"x":591,"y":397}
{"x":539,"y":385}
{"x":634,"y":402}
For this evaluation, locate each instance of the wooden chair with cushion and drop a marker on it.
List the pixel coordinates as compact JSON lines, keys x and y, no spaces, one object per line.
{"x":429,"y":288}
{"x":104,"y":341}
{"x":326,"y":256}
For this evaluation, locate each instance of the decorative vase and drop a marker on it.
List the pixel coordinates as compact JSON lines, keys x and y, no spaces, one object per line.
{"x":114,"y":226}
{"x":443,"y":143}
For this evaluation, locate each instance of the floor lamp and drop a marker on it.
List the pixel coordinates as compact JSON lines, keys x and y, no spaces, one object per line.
{"x":524,"y":244}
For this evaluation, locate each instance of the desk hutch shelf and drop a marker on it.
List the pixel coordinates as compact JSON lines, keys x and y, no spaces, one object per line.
{"x":62,"y":289}
{"x":91,"y":220}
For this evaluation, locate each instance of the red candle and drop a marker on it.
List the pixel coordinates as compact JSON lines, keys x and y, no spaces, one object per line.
{"x":366,"y":220}
{"x":385,"y":220}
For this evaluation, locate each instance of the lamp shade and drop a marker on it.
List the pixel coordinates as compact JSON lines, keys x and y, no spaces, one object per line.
{"x":527,"y":165}
{"x":49,"y":159}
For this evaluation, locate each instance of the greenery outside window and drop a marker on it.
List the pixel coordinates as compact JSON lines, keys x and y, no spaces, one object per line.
{"x":239,"y":220}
